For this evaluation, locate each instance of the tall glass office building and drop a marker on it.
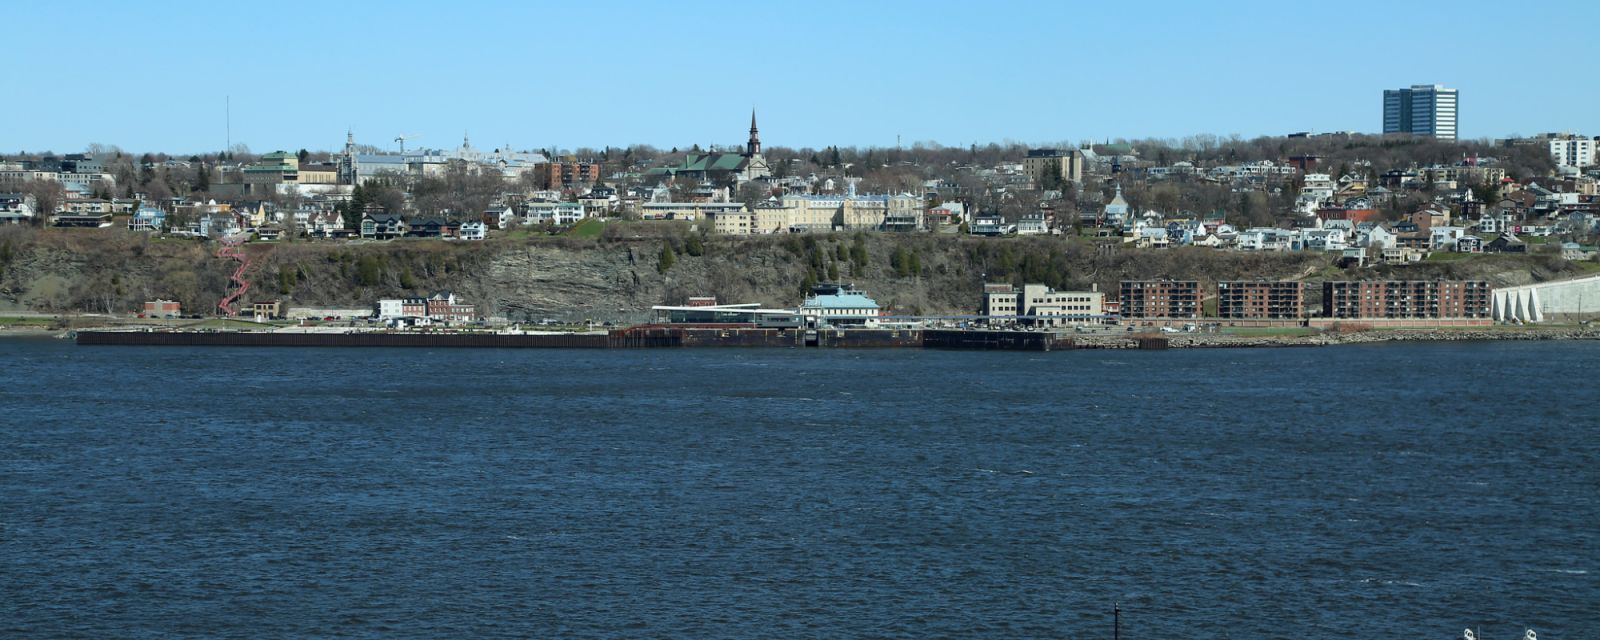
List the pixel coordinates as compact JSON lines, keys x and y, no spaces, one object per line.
{"x":1421,"y":110}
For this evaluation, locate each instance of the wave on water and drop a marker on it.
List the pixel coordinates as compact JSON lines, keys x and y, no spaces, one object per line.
{"x":1570,"y":572}
{"x":1403,"y":583}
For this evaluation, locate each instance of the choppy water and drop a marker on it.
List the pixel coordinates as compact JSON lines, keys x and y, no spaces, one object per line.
{"x":1396,"y":491}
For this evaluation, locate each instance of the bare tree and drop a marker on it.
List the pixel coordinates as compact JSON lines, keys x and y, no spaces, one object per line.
{"x":47,"y":196}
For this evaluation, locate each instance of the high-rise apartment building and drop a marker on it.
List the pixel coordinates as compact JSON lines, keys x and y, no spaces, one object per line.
{"x":1421,"y":110}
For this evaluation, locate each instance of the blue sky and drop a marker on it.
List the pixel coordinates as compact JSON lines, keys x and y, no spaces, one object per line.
{"x":156,"y":76}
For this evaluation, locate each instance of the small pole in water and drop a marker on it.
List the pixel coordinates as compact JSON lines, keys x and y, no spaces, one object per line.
{"x":1116,"y":621}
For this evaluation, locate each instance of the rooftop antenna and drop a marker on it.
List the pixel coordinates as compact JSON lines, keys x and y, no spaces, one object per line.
{"x":227,"y":119}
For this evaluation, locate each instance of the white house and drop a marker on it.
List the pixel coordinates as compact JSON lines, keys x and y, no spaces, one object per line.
{"x":553,"y":212}
{"x":499,"y":217}
{"x":16,"y":208}
{"x":1031,"y":224}
{"x":1495,"y":221}
{"x":1317,"y":190}
{"x":473,"y":231}
{"x":1151,"y":236}
{"x":1440,"y":238}
{"x":1266,"y":239}
{"x":1375,"y":236}
{"x":1333,"y":239}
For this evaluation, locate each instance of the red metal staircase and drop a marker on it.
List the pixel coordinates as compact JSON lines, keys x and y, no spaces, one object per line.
{"x":232,"y":248}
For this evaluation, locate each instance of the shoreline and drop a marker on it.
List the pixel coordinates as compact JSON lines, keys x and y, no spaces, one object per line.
{"x":1377,"y":337}
{"x":663,"y":337}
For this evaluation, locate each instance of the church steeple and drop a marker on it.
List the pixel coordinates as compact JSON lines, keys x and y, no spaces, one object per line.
{"x":753,"y":148}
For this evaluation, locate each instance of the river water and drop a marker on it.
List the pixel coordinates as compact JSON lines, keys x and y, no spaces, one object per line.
{"x":1396,"y":491}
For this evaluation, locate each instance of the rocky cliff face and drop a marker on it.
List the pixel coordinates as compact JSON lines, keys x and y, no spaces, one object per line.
{"x":618,"y":279}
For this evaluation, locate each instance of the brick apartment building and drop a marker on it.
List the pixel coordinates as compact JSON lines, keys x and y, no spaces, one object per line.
{"x":1160,"y":299}
{"x":558,"y":174}
{"x":1406,"y":299}
{"x":440,"y":307}
{"x":1261,"y":300}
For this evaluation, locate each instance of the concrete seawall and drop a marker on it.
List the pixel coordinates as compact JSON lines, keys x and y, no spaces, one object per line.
{"x":630,"y":338}
{"x":1556,"y":300}
{"x":657,"y":337}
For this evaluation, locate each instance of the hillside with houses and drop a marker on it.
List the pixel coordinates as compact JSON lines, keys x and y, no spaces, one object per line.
{"x":609,"y":231}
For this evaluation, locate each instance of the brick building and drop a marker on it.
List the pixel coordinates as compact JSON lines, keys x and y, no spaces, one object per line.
{"x":565,"y":173}
{"x":442,"y":307}
{"x":1261,"y":300}
{"x":1160,"y":299}
{"x":1406,"y":299}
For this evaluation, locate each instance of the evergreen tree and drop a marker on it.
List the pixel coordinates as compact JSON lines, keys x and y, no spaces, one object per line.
{"x":858,"y":254}
{"x":353,"y":210}
{"x":667,"y":259}
{"x":900,"y":261}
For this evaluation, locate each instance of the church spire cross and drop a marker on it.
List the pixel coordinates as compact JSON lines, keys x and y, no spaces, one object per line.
{"x":753,"y":147}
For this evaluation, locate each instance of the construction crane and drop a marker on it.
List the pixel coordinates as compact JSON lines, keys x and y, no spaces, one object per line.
{"x":402,"y":138}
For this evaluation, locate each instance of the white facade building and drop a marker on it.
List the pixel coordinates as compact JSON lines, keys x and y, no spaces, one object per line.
{"x":390,"y":309}
{"x":1572,"y":151}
